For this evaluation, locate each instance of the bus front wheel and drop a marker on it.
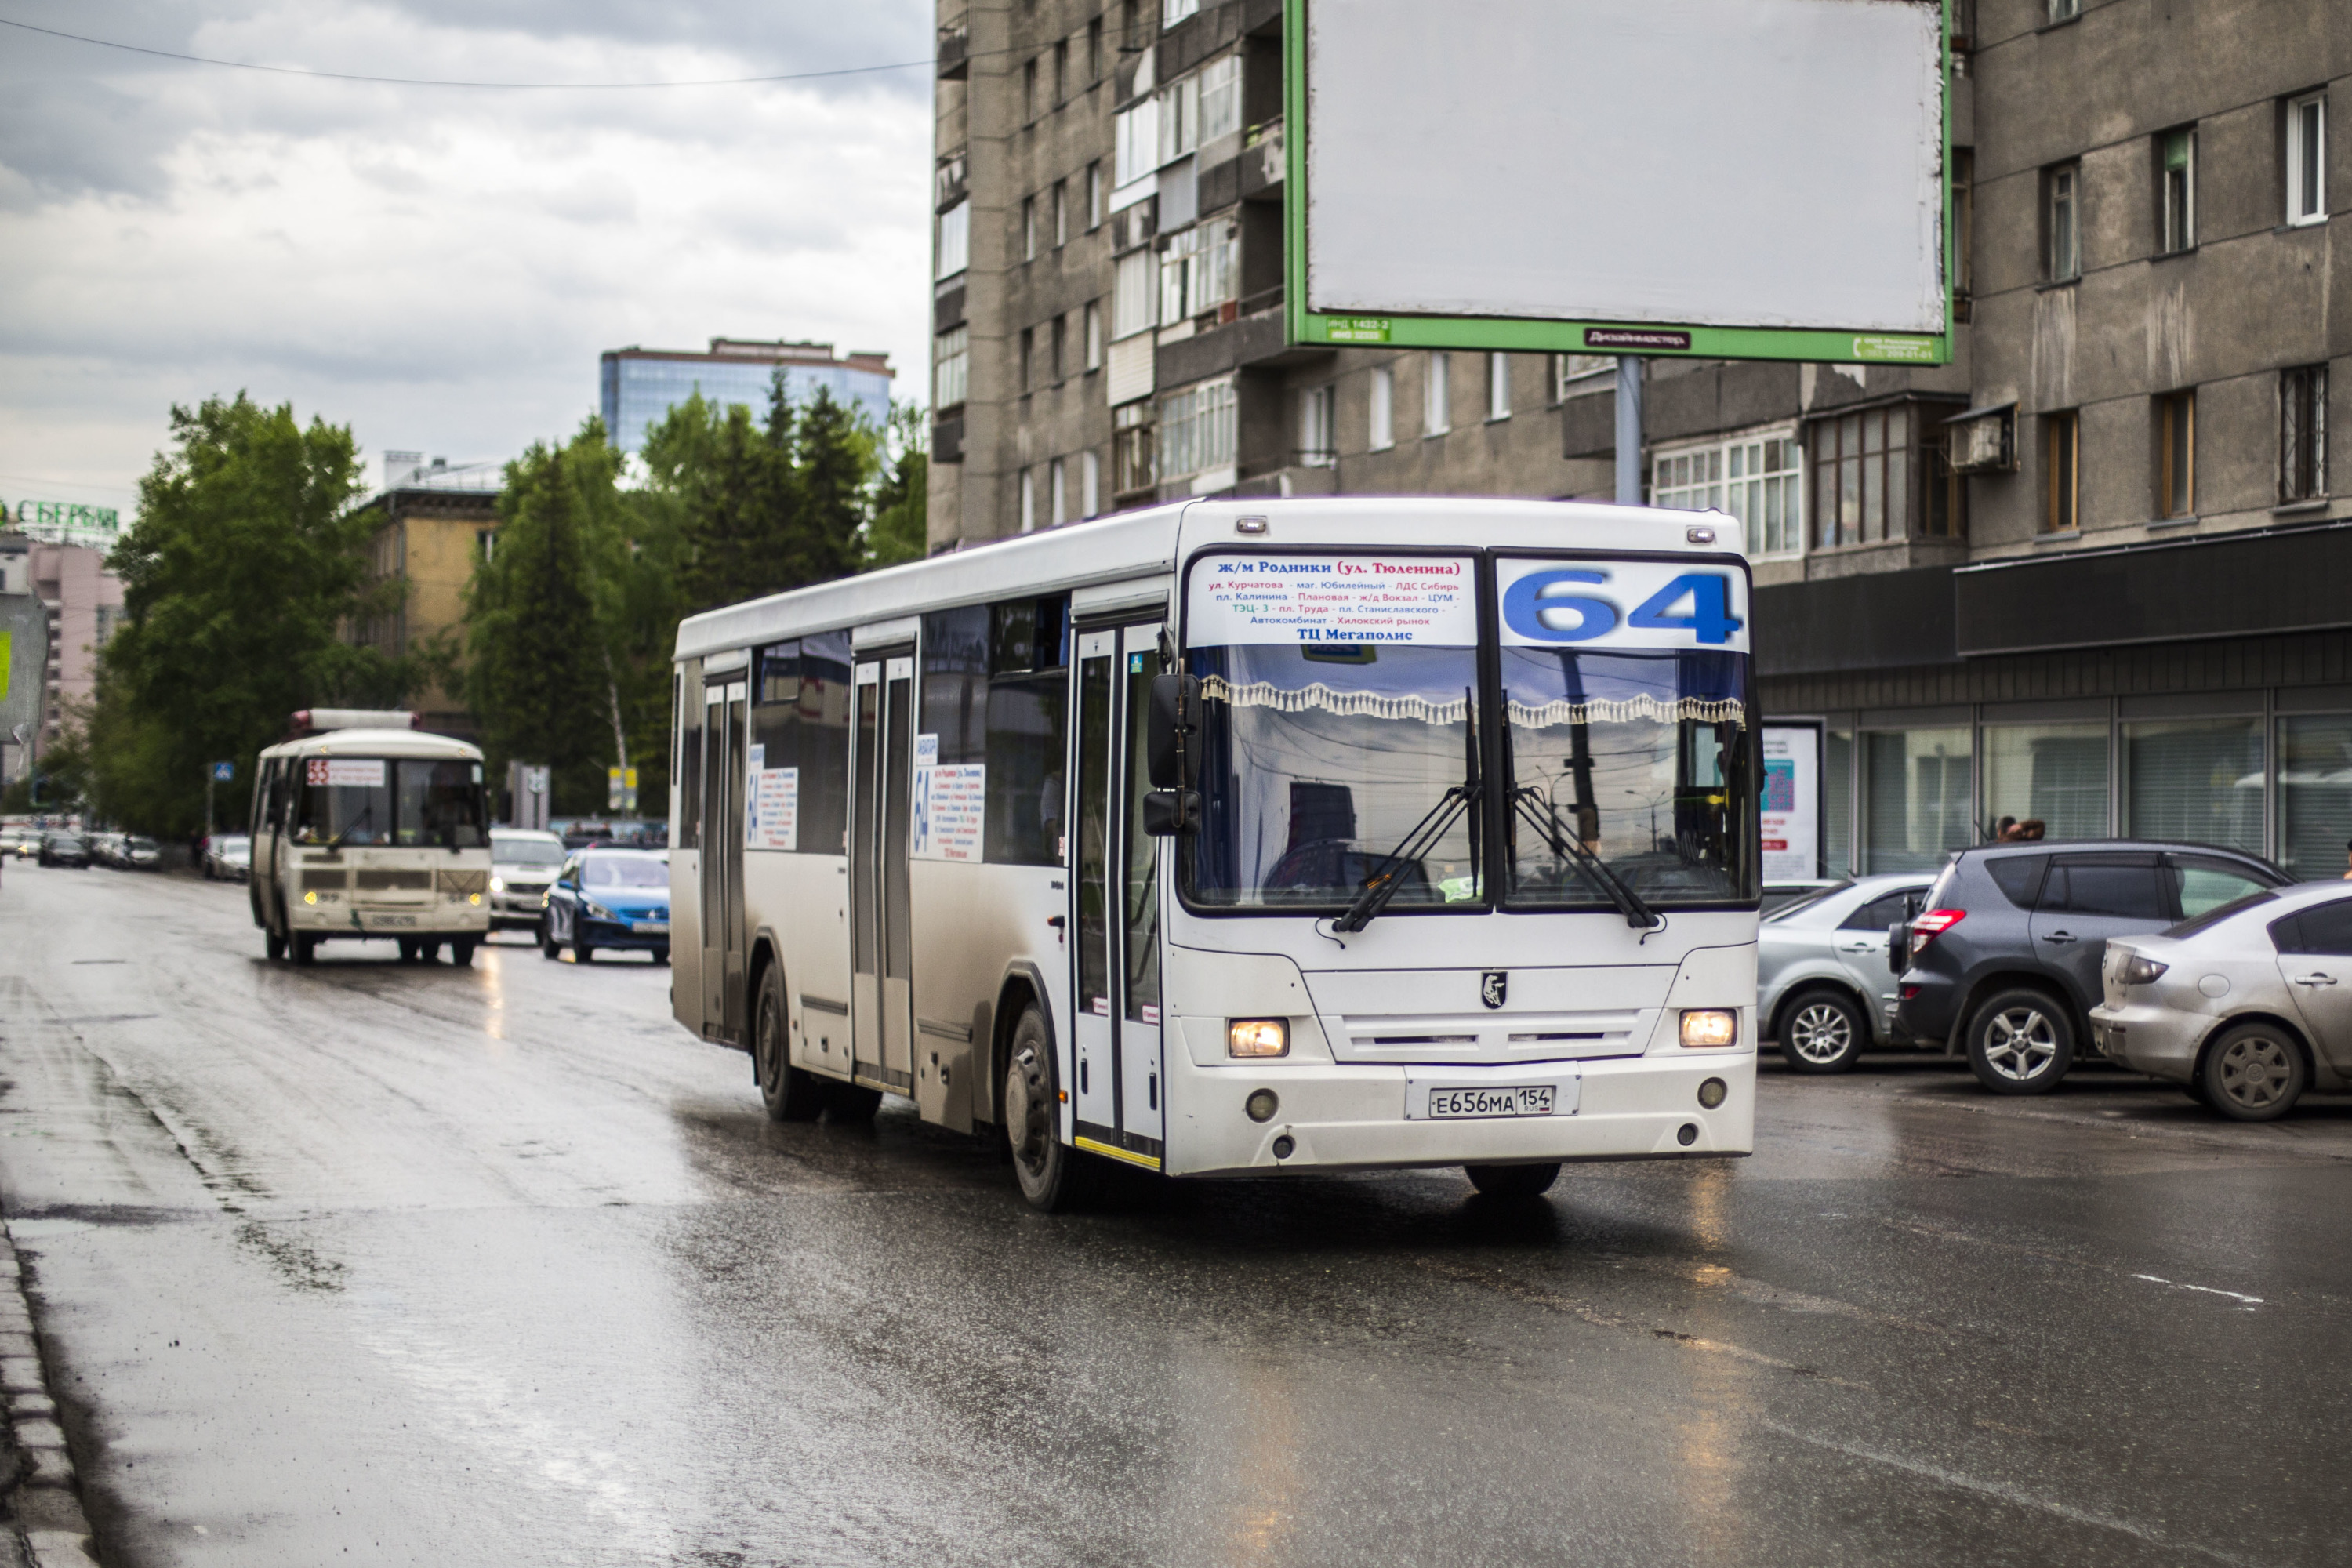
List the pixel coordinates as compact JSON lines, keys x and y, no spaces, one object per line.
{"x":461,"y":951}
{"x":1512,"y":1180}
{"x":273,"y":945}
{"x":305,"y":948}
{"x":1054,"y":1176}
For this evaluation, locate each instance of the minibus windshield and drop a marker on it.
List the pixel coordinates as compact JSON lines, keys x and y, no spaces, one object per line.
{"x":374,"y":801}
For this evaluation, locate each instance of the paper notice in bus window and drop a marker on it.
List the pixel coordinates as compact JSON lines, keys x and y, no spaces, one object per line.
{"x":1350,"y":600}
{"x":347,"y":773}
{"x":951,"y":804}
{"x":771,"y":810}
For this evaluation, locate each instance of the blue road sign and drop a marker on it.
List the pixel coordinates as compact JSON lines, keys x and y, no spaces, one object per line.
{"x":224,"y":771}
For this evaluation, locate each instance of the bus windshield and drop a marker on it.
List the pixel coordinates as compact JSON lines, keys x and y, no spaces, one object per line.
{"x":373,"y":802}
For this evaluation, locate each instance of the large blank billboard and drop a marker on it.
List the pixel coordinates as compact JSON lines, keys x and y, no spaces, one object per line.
{"x":1772,"y":169}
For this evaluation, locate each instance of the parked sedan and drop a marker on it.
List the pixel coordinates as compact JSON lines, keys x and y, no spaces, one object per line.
{"x":228,"y":857}
{"x":608,"y":898}
{"x":137,"y":852}
{"x":65,"y":848}
{"x":1823,"y":987}
{"x":2246,"y":1006}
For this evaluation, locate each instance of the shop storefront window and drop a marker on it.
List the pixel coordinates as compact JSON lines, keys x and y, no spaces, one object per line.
{"x":1917,"y":805}
{"x":2199,"y":780}
{"x":2315,"y":794}
{"x":2056,"y":774}
{"x":1837,"y":801}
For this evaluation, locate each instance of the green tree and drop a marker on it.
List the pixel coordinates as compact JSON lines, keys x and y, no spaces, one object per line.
{"x":244,"y":566}
{"x":541,"y":613}
{"x":900,"y":525}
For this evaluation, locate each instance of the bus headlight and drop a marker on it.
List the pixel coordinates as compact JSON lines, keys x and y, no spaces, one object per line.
{"x":1710,"y":1026}
{"x":1256,"y":1037}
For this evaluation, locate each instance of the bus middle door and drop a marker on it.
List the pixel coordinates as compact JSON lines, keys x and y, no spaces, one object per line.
{"x":724,"y":702}
{"x":881,"y":980}
{"x":1115,"y":890}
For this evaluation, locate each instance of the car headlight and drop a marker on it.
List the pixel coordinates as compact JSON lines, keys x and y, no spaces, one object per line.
{"x":596,"y":910}
{"x":1257,"y":1038}
{"x":2138,"y":970}
{"x":498,"y":884}
{"x":1710,"y":1026}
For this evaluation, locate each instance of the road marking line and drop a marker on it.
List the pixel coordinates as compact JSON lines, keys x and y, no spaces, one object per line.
{"x":2207,"y":1289}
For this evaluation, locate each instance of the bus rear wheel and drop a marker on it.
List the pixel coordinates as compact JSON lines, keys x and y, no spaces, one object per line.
{"x":1512,"y":1180}
{"x":789,"y":1093}
{"x":1054,"y":1176}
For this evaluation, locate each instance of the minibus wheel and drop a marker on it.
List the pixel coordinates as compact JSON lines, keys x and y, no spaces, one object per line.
{"x":273,"y":945}
{"x":306,"y":948}
{"x":461,"y":951}
{"x":789,"y":1093}
{"x":1054,"y":1176}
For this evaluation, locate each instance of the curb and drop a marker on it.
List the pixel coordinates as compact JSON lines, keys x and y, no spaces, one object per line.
{"x":45,"y":1498}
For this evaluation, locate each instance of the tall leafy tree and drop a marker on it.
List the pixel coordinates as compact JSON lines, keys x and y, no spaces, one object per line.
{"x":900,"y":524}
{"x":242,"y":567}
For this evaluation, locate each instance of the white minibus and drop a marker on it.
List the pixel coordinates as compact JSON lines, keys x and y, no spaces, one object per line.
{"x":1241,"y":839}
{"x":364,"y":831}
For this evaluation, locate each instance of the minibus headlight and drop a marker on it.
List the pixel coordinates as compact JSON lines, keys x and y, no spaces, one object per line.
{"x":473,"y":898}
{"x":1257,"y":1038}
{"x":1710,"y":1026}
{"x":310,"y":898}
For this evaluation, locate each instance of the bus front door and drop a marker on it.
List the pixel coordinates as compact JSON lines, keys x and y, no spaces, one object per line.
{"x":1115,"y":897}
{"x":722,"y":860}
{"x":882,"y":970}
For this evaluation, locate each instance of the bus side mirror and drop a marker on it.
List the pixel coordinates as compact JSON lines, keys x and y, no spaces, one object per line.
{"x":1174,"y":699}
{"x":1170,"y":812}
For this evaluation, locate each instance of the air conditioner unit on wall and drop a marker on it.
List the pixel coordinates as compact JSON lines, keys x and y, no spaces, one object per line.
{"x":1982,"y":440}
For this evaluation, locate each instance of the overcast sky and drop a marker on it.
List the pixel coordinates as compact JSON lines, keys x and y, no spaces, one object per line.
{"x":437,"y":269}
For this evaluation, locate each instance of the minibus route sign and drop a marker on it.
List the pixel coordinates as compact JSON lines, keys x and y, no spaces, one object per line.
{"x":1424,"y":599}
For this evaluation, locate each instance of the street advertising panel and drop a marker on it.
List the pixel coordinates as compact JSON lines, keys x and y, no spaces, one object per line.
{"x":1738,"y":179}
{"x":24,"y":661}
{"x":1792,"y":819}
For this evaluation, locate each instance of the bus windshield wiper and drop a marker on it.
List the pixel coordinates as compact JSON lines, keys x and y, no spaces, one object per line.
{"x":336,"y":843}
{"x":1527,"y":800}
{"x":1389,"y":876}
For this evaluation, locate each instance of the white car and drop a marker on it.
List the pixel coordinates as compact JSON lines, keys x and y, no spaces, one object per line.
{"x":2246,"y":1006}
{"x":1823,"y":986}
{"x":523,"y":862}
{"x":228,"y":857}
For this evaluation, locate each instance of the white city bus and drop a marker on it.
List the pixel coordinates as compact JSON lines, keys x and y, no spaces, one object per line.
{"x":364,"y":831}
{"x":1229,"y":838}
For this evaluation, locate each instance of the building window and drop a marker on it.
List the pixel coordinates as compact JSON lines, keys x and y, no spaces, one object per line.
{"x":2315,"y":794}
{"x":2303,"y":433}
{"x":2056,"y":774}
{"x":1131,"y":468}
{"x":1382,"y":433}
{"x":2175,"y":190}
{"x":1197,"y":427}
{"x":2198,"y":780}
{"x":2062,"y":238}
{"x":1029,"y":88}
{"x":2307,"y":159}
{"x":1135,"y":142}
{"x":1877,"y":476}
{"x":1025,"y":362}
{"x":1062,"y":72}
{"x":1028,"y":501}
{"x":1028,"y":228}
{"x":1094,"y":195}
{"x":1180,"y":118}
{"x":1499,"y":386}
{"x":1221,"y":98}
{"x":954,"y":240}
{"x":1964,"y":227}
{"x":951,"y":367}
{"x":1199,"y":270}
{"x":1316,"y":447}
{"x":1436,"y":419}
{"x":1089,"y":482}
{"x":1060,"y":346}
{"x":1057,"y":492}
{"x":1755,"y":479}
{"x":1134,"y":294}
{"x":1094,"y":51}
{"x":1061,"y":214}
{"x":2065,"y":10}
{"x":1573,"y":374}
{"x":1093,"y":334}
{"x":1918,"y":806}
{"x":1837,"y":801}
{"x":1174,"y":11}
{"x":2176,"y":454}
{"x":2062,"y":454}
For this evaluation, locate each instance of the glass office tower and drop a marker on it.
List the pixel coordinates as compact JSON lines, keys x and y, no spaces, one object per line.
{"x":640,"y":386}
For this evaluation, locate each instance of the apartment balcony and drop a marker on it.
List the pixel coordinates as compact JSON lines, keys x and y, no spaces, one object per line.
{"x":1241,"y":334}
{"x":954,"y":55}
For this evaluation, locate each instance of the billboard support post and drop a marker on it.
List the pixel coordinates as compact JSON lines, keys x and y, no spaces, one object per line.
{"x":1628,"y":429}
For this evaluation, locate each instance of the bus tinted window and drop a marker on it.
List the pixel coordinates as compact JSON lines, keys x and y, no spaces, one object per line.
{"x":800,"y":722}
{"x":994,"y":688}
{"x":440,"y":804}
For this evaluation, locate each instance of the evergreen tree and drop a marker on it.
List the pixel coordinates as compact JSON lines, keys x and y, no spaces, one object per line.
{"x":901,"y":523}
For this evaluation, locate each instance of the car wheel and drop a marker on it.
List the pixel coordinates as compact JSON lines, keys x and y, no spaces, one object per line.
{"x":661,"y":955}
{"x":2021,"y":1042}
{"x":580,"y":951}
{"x":1822,"y":1031}
{"x":1512,"y":1181}
{"x":548,"y":946}
{"x":2255,"y":1072}
{"x":461,"y":951}
{"x":1054,"y":1176}
{"x":305,"y":948}
{"x":273,"y":945}
{"x":790,"y":1093}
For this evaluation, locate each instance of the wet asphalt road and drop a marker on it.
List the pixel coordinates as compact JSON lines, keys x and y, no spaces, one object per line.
{"x":386,"y":1265}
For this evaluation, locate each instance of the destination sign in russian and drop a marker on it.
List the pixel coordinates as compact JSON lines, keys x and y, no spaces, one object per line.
{"x":1350,"y":599}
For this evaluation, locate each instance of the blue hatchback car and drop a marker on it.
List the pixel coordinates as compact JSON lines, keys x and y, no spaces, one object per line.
{"x":608,"y":898}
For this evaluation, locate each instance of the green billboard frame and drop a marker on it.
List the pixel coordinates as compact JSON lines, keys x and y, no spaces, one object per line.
{"x":1530,"y":335}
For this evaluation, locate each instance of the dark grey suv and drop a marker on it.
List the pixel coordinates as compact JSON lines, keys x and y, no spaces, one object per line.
{"x":2002,"y":962}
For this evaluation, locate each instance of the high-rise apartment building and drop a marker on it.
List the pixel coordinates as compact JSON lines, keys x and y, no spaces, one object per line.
{"x":637,"y":387}
{"x":2090,"y":572}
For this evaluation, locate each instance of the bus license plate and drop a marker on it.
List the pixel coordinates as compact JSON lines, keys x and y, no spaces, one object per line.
{"x":1521,"y":1099}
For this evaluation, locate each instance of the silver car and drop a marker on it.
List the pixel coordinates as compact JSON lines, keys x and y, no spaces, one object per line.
{"x":2245,"y":1006}
{"x":523,"y":862}
{"x":1823,"y":986}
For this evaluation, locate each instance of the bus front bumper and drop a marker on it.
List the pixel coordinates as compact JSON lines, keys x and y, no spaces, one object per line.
{"x":1353,"y":1117}
{"x":335,"y":917}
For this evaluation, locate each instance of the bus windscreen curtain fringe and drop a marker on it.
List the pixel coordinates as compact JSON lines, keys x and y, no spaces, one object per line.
{"x":1323,"y":698}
